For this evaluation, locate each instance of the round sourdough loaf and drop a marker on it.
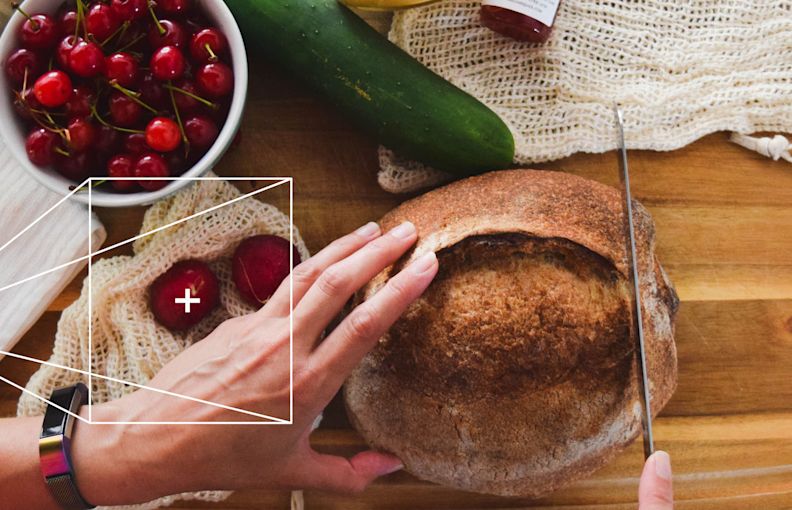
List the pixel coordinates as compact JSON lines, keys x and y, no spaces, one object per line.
{"x":515,"y":373}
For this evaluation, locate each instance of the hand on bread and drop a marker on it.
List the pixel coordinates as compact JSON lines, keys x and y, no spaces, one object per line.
{"x":655,"y":491}
{"x":244,"y":363}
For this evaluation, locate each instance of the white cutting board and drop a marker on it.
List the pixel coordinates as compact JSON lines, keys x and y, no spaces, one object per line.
{"x":60,"y":237}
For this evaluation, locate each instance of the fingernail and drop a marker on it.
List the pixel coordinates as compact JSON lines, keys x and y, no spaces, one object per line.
{"x":393,"y":469}
{"x":423,"y":263}
{"x":370,"y":229}
{"x":662,"y":462}
{"x":403,"y":231}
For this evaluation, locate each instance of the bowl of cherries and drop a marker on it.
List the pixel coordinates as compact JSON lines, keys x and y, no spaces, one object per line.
{"x":139,"y":96}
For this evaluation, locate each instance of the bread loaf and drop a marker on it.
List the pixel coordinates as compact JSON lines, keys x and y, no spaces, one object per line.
{"x":515,"y":373}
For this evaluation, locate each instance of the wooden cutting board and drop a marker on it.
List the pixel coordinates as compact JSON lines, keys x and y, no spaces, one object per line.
{"x":724,"y":224}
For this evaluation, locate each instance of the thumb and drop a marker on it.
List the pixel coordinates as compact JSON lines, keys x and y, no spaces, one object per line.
{"x":338,"y":474}
{"x":655,"y":491}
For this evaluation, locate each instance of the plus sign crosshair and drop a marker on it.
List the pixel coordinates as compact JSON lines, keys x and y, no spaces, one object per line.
{"x":187,"y":300}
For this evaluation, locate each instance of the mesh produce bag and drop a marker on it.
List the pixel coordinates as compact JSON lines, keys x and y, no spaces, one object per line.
{"x":680,"y":69}
{"x":127,"y":343}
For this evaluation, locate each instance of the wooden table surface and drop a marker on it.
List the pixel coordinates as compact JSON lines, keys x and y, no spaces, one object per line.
{"x":724,"y":224}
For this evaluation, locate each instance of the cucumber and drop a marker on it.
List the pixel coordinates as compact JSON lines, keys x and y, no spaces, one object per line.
{"x":406,"y":106}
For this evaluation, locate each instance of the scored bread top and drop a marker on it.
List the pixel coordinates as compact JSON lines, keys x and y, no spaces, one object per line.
{"x":514,"y":373}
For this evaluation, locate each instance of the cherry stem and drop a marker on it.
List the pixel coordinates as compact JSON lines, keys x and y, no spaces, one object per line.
{"x":212,"y":56}
{"x":134,"y":96}
{"x":132,"y":42}
{"x":27,"y":16}
{"x":61,"y":152}
{"x":201,"y":100}
{"x":118,"y":30}
{"x":63,"y":133}
{"x":170,"y":88}
{"x":52,"y":127}
{"x":50,"y":119}
{"x":80,"y":19}
{"x":95,"y":114}
{"x":160,"y":28}
{"x":58,"y":131}
{"x":47,"y":122}
{"x":84,"y":188}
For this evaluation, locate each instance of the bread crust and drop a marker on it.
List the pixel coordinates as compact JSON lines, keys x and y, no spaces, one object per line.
{"x":514,"y":374}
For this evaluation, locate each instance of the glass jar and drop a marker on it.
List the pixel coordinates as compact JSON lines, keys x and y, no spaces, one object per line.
{"x":523,"y":20}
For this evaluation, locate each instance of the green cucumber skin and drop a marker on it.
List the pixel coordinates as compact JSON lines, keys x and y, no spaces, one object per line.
{"x":406,"y":106}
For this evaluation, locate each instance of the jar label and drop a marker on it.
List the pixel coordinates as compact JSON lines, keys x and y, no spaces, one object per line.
{"x":543,"y":11}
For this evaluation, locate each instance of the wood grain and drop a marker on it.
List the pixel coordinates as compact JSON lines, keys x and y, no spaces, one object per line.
{"x":724,"y":229}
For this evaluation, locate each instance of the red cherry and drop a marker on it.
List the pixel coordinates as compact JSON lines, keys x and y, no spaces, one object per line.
{"x":151,"y":165}
{"x":101,"y":21}
{"x":162,"y":134}
{"x":80,"y":102}
{"x":129,"y":10}
{"x":167,"y":63}
{"x":176,"y":162}
{"x":123,"y":110}
{"x":64,"y":49}
{"x":184,"y":102}
{"x":210,"y":37}
{"x":191,"y":278}
{"x":152,"y":92}
{"x":107,"y":140}
{"x":53,"y":89}
{"x":195,"y":21}
{"x":40,"y":146}
{"x":201,"y":131}
{"x":220,"y":113}
{"x":86,"y":59}
{"x":68,"y":22}
{"x":23,"y":105}
{"x":135,"y":144}
{"x":173,"y":6}
{"x":122,"y":165}
{"x":20,"y":61}
{"x":76,"y":167}
{"x":215,"y":79}
{"x":82,"y":134}
{"x":39,"y":32}
{"x":174,"y":35}
{"x":133,"y":38}
{"x":192,"y":26}
{"x":123,"y":68}
{"x":259,"y":265}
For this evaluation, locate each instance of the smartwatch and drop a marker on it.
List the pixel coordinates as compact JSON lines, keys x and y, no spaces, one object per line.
{"x":55,"y":446}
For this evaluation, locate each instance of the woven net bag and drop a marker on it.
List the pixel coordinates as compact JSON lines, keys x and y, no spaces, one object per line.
{"x":680,"y":69}
{"x":127,"y":343}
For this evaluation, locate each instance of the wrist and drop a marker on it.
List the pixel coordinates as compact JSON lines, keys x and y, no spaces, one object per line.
{"x":112,"y":462}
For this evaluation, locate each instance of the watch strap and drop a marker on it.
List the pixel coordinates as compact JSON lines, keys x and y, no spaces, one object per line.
{"x":65,"y":492}
{"x":55,"y":446}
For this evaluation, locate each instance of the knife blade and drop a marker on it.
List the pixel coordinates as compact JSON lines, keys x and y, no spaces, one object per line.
{"x":645,"y":397}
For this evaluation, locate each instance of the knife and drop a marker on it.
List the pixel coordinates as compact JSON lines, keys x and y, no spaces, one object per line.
{"x":646,"y":418}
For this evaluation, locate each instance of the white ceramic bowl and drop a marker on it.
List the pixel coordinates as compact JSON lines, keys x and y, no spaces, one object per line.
{"x":13,"y":133}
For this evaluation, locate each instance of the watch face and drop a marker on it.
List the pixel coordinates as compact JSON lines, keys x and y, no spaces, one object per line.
{"x":55,"y":419}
